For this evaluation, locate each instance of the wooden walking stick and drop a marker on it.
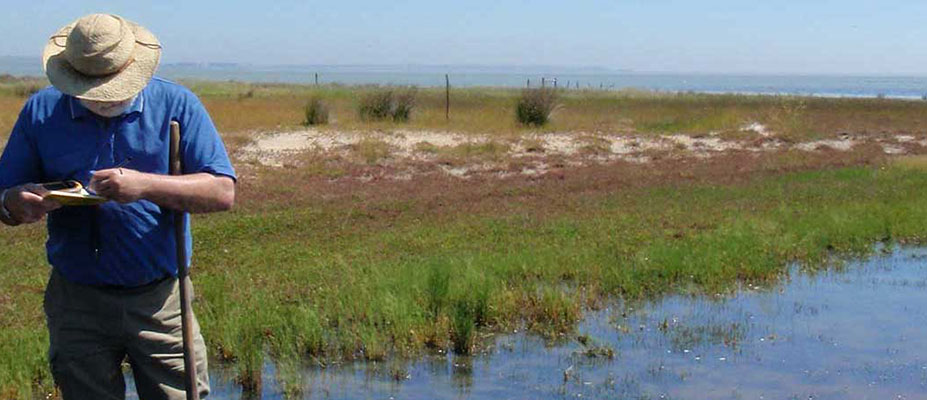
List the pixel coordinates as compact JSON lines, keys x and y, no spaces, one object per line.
{"x":186,"y":287}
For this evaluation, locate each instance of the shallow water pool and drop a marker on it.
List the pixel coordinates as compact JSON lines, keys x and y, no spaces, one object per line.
{"x":859,"y":332}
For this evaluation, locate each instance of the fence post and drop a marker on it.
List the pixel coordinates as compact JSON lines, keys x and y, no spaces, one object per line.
{"x":447,"y":97}
{"x":543,"y":82}
{"x":528,"y":86}
{"x":317,"y":79}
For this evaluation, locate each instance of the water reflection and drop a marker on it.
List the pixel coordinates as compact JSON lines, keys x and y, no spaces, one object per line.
{"x":858,"y":333}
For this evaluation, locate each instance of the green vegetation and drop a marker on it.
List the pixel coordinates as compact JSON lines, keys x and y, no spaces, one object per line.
{"x":337,"y":281}
{"x":371,"y":150}
{"x":316,"y":112}
{"x":384,"y":104}
{"x":312,"y":267}
{"x":535,"y":105}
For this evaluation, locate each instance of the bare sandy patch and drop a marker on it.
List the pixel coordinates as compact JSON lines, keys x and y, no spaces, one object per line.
{"x":535,"y":149}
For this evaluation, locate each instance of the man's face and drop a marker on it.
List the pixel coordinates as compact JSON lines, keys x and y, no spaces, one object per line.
{"x":108,"y":109}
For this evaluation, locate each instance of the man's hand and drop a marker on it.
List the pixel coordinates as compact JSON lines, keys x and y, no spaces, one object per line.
{"x":120,"y":184}
{"x":27,"y":205}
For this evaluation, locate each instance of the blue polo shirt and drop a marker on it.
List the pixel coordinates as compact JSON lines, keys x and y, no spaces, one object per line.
{"x":56,"y":138}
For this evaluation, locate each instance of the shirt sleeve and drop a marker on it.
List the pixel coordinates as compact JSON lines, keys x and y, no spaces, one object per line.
{"x":202,"y":148}
{"x":20,"y":162}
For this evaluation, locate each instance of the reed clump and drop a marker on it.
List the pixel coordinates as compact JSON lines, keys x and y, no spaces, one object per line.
{"x":535,"y":106}
{"x":384,"y":104}
{"x":316,"y":112}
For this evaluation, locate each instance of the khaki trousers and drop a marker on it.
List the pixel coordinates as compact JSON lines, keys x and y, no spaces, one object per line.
{"x":93,"y":330}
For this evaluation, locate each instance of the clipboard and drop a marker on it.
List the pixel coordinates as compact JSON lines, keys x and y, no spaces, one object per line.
{"x":71,"y":193}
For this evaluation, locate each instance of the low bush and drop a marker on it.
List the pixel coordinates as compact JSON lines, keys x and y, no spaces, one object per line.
{"x":376,"y":105}
{"x":535,"y":106}
{"x":403,"y":103}
{"x":383,"y":104}
{"x":316,"y":112}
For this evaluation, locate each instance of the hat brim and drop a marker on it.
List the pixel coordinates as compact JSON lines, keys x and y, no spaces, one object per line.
{"x":119,"y":86}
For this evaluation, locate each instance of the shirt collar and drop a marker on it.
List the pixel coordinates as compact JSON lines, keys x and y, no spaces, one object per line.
{"x":78,"y":110}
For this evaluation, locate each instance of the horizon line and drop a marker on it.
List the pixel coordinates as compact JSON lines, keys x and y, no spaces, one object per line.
{"x":534,"y":67}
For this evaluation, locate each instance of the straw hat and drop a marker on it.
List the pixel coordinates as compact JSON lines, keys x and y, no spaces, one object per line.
{"x":101,"y":57}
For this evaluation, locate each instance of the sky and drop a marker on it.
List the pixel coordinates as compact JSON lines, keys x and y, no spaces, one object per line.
{"x":886,"y":37}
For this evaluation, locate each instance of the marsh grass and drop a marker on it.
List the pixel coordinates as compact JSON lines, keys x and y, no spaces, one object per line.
{"x":371,"y":150}
{"x":385,"y":276}
{"x":403,"y":103}
{"x":490,"y":150}
{"x":240,"y":109}
{"x":389,"y":103}
{"x":464,"y":326}
{"x":489,"y":111}
{"x":535,"y":106}
{"x":375,"y":106}
{"x":438,"y":289}
{"x":336,"y":282}
{"x":316,"y":112}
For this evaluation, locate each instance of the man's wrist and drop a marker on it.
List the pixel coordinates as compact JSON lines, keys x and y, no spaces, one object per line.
{"x":146,"y":185}
{"x":4,"y":211}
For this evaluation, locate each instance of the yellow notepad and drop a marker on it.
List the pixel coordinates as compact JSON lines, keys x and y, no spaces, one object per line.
{"x":71,"y":193}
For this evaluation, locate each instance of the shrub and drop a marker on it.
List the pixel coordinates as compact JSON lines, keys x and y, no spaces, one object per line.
{"x":376,"y":105}
{"x":383,"y":104}
{"x":535,"y":105}
{"x":316,"y":112}
{"x":403,"y":104}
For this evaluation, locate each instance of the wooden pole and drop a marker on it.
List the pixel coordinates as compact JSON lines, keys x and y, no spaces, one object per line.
{"x":317,"y":79}
{"x":528,"y":86}
{"x":447,"y":97}
{"x":186,"y":287}
{"x":543,"y":82}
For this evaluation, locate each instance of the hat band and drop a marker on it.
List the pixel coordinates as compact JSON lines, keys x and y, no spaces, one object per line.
{"x":54,"y":39}
{"x":153,"y":46}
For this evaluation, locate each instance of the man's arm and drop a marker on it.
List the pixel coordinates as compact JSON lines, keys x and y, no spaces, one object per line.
{"x":195,"y":193}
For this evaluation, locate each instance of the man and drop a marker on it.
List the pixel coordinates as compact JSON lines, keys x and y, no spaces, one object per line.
{"x":104,"y":122}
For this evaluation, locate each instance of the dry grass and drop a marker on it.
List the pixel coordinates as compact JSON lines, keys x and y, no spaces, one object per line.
{"x":490,"y":111}
{"x":240,"y":109}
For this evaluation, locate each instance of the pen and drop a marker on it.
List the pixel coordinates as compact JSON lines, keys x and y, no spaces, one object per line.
{"x":123,"y":164}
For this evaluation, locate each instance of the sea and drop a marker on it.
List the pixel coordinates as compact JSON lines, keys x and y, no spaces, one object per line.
{"x":898,"y":87}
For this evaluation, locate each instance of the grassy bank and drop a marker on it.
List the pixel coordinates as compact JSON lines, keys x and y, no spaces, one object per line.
{"x":387,"y":278}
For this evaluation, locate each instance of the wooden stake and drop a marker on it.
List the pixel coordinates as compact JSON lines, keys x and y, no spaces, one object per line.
{"x":447,"y":97}
{"x":186,"y":287}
